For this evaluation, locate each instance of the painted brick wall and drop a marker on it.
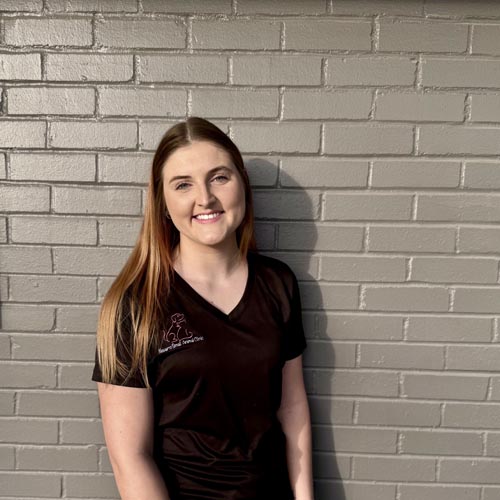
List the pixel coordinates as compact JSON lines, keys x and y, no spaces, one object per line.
{"x":371,"y":132}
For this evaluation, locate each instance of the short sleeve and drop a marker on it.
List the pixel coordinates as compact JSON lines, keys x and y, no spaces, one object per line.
{"x":294,"y":339}
{"x":123,"y":352}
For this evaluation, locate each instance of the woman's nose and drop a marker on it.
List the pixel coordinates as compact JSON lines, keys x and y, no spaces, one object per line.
{"x":204,"y":196}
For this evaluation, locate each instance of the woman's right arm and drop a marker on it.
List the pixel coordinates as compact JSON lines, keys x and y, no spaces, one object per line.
{"x":127,"y":419}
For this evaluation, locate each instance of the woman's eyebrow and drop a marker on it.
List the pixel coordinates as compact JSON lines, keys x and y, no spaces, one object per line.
{"x":210,"y":172}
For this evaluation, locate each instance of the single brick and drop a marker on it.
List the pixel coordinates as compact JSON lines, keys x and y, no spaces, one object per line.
{"x":459,"y":72}
{"x":89,"y":67}
{"x":104,"y":200}
{"x":140,"y":33}
{"x":471,"y":415}
{"x":276,"y":70}
{"x":127,"y":168}
{"x":343,"y":138}
{"x":7,"y":400}
{"x":478,"y":239}
{"x":324,"y":410}
{"x":91,"y":5}
{"x":22,"y":134}
{"x":18,"y":259}
{"x":354,"y":440}
{"x":58,"y":347}
{"x":486,"y":39}
{"x":52,"y":289}
{"x":400,"y":356}
{"x":79,"y":459}
{"x":490,"y":493}
{"x":327,"y":34}
{"x":188,"y":6}
{"x":394,"y":469}
{"x":3,"y":229}
{"x":419,"y":107}
{"x":322,"y":354}
{"x":241,"y":103}
{"x":20,"y":67}
{"x":23,"y":430}
{"x":31,"y":485}
{"x":415,"y":173}
{"x":435,"y":492}
{"x":361,"y":268}
{"x":478,"y":470}
{"x":50,"y":101}
{"x":183,"y":68}
{"x":39,"y":375}
{"x":321,"y":172}
{"x":73,"y":135}
{"x":456,"y":8}
{"x":77,"y":318}
{"x":449,"y":329}
{"x":406,"y":298}
{"x":475,"y":358}
{"x":289,"y":137}
{"x":370,"y":70}
{"x":358,"y":327}
{"x":119,"y":232}
{"x":355,"y":383}
{"x":89,"y":261}
{"x":75,"y":376}
{"x":416,"y":36}
{"x":262,"y":171}
{"x":301,"y":104}
{"x":413,"y":239}
{"x":7,"y":457}
{"x":290,"y":7}
{"x":360,"y":491}
{"x":91,"y":486}
{"x":52,"y":167}
{"x":443,"y":139}
{"x":234,"y":34}
{"x":454,"y":270}
{"x":459,"y":207}
{"x":363,"y":206}
{"x":59,"y":403}
{"x":484,"y":108}
{"x":306,"y":236}
{"x":54,"y":230}
{"x":152,"y":131}
{"x":398,"y":413}
{"x":330,"y":466}
{"x":444,"y":387}
{"x":330,"y":297}
{"x":48,"y":32}
{"x":305,"y":266}
{"x":22,"y":5}
{"x":36,"y":318}
{"x":482,"y":175}
{"x":142,"y":102}
{"x":24,"y":198}
{"x":4,"y":340}
{"x":76,"y":431}
{"x":381,"y":7}
{"x":495,"y":389}
{"x":477,"y":300}
{"x":286,"y":204}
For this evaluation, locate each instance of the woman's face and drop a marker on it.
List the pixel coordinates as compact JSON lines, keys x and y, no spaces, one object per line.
{"x":204,"y":194}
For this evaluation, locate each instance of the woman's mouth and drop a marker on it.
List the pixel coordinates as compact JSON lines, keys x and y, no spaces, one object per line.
{"x":207,"y":218}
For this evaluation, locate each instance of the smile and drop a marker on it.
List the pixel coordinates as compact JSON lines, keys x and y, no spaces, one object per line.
{"x":208,"y":217}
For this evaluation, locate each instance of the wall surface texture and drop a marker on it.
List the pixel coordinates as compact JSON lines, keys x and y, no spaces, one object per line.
{"x":371,"y":130}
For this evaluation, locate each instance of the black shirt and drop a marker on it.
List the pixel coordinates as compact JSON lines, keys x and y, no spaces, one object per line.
{"x":216,"y":383}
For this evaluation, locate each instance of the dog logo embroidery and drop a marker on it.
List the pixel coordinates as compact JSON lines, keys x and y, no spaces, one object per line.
{"x":178,"y":334}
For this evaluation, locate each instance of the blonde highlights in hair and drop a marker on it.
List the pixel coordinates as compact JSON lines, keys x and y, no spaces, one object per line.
{"x":143,"y":284}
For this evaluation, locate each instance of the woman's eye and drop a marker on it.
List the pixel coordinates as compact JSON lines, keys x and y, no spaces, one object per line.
{"x":221,"y":178}
{"x":181,"y":186}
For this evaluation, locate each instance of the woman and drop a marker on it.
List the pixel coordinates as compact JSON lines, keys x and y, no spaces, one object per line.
{"x":199,"y":342}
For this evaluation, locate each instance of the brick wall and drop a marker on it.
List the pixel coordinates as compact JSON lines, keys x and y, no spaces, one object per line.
{"x":371,"y":133}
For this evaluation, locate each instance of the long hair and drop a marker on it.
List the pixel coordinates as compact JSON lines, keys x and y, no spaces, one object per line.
{"x":143,"y":284}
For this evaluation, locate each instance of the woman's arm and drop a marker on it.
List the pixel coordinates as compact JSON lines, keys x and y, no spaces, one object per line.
{"x":127,"y":418}
{"x":295,"y":420}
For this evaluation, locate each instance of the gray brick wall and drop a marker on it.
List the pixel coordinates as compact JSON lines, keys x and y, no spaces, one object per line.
{"x":371,"y":131}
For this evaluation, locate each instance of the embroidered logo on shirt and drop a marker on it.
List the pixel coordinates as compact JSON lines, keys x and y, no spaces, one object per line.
{"x":178,"y":334}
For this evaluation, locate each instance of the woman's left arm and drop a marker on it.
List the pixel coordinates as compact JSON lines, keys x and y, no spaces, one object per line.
{"x":296,"y":422}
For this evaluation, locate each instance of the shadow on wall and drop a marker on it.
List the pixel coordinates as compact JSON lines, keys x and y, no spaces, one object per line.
{"x":286,"y":215}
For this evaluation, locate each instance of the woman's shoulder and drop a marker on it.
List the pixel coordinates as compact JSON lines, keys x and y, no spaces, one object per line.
{"x":272,"y":268}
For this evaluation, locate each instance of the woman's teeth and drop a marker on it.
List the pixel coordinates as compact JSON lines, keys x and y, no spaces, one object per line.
{"x":208,"y":216}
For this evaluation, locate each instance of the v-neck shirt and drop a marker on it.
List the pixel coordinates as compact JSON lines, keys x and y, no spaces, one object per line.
{"x":216,"y":382}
